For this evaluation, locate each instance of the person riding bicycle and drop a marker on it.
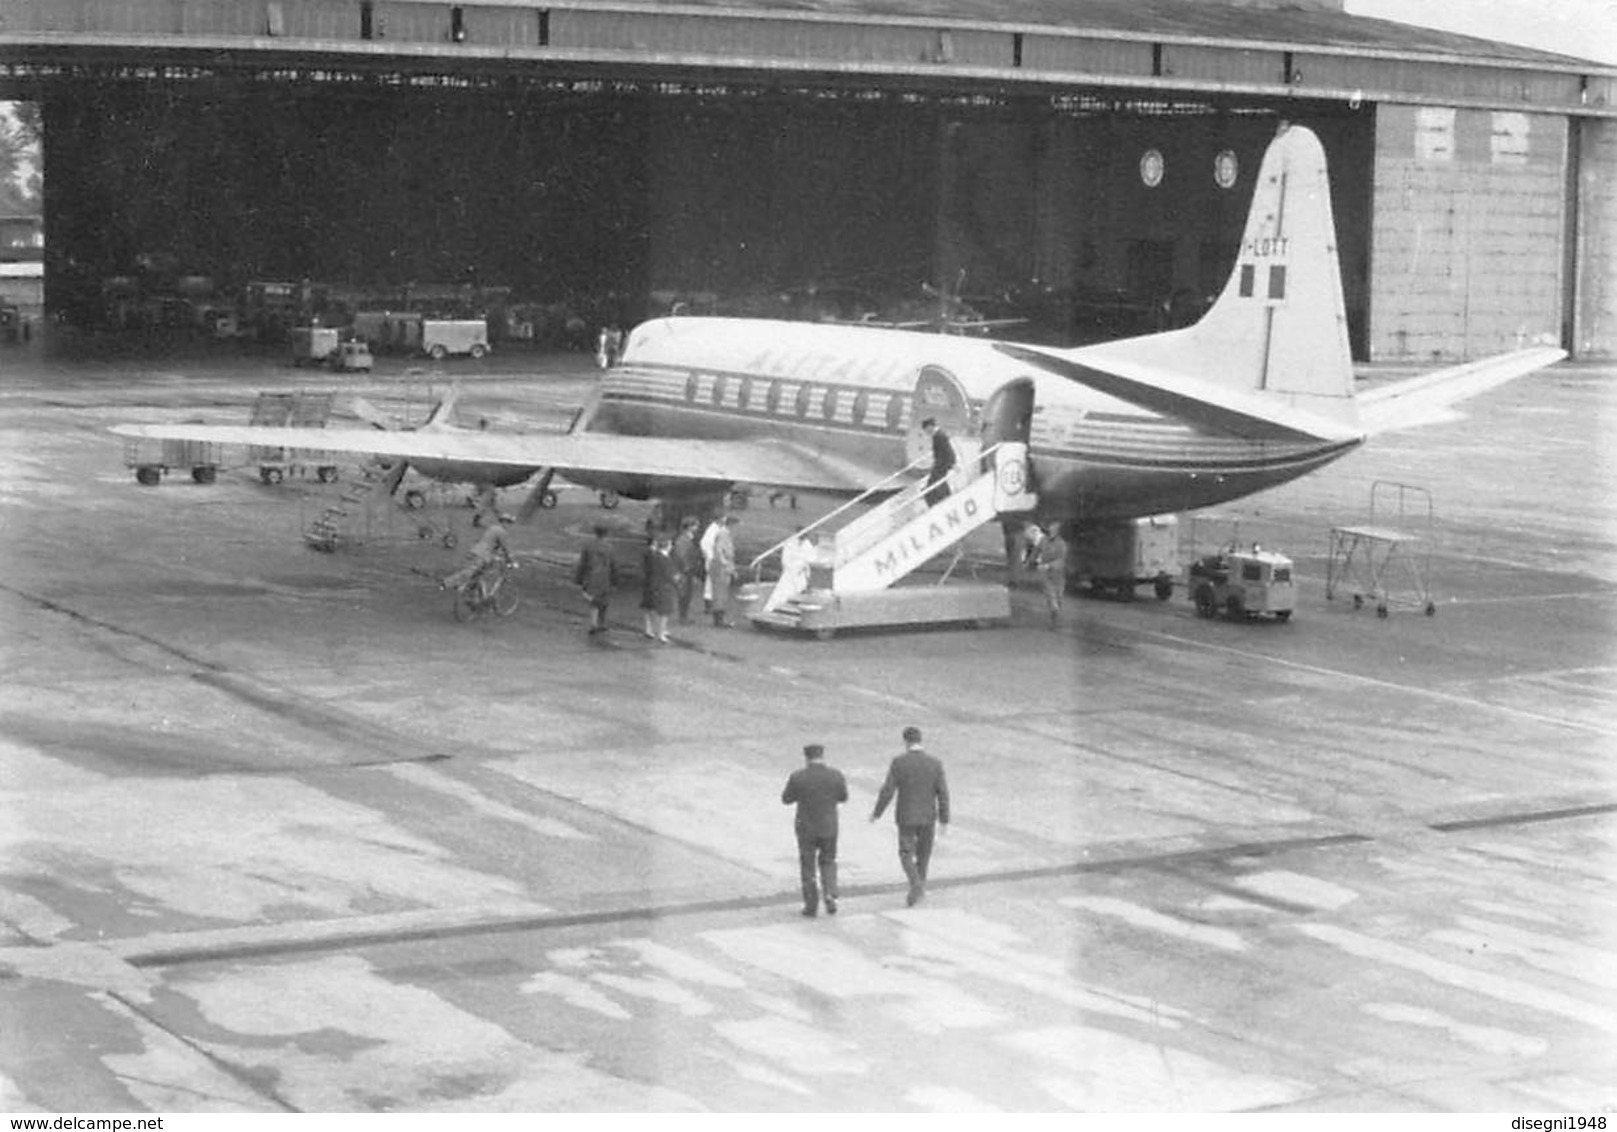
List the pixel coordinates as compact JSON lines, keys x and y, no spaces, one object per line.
{"x":493,"y":545}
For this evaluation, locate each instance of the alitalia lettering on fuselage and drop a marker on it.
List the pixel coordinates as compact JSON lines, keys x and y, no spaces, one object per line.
{"x":921,"y":542}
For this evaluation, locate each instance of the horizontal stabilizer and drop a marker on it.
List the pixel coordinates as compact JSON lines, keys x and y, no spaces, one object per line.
{"x":1429,"y":399}
{"x":1236,"y":411}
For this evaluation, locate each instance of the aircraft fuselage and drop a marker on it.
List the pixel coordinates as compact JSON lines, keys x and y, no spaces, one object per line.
{"x":857,"y":396}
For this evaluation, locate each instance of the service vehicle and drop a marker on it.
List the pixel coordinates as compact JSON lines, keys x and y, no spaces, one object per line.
{"x":314,"y":345}
{"x":1242,"y":584}
{"x":354,"y":354}
{"x":1116,"y":558}
{"x":442,"y":337}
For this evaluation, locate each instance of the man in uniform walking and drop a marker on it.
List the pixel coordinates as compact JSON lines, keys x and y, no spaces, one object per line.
{"x":817,"y":790}
{"x":923,"y":801}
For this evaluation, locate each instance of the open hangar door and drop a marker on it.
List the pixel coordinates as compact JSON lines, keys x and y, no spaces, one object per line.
{"x":245,"y":181}
{"x":754,"y":196}
{"x":1091,"y":223}
{"x":1129,"y":220}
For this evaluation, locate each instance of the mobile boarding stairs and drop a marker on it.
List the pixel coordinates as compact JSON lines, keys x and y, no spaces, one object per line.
{"x":841,"y":571}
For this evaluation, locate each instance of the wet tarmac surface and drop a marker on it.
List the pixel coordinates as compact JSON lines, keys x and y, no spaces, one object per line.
{"x":280,"y":834}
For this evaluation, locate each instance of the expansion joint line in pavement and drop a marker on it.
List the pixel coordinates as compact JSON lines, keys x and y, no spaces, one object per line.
{"x":235,"y":1072}
{"x":173,"y":952}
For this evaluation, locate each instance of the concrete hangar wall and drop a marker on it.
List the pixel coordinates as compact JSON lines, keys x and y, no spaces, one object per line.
{"x":599,"y":146}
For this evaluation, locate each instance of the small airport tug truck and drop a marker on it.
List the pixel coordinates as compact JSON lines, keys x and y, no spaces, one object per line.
{"x":1242,"y":584}
{"x":354,"y":354}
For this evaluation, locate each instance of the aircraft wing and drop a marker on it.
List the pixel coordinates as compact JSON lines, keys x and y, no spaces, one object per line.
{"x":1430,"y":398}
{"x":1216,"y":406}
{"x":721,"y":462}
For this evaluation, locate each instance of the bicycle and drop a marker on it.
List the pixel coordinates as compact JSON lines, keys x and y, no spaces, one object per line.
{"x":485,"y":591}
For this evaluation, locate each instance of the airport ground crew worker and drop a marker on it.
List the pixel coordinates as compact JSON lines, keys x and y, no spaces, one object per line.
{"x":918,"y":780}
{"x":1048,"y":551}
{"x":817,"y":790}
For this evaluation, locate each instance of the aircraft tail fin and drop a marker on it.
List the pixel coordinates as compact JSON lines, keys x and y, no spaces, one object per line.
{"x":1279,"y":327}
{"x":443,"y":413}
{"x":370,"y":414}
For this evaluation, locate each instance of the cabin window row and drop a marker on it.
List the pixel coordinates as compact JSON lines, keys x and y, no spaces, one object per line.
{"x":803,"y":400}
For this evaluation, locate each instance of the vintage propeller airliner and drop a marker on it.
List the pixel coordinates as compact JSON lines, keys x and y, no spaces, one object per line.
{"x":1258,"y":392}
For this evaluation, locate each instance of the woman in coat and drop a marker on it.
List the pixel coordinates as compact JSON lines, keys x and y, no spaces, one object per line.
{"x":659,"y":582}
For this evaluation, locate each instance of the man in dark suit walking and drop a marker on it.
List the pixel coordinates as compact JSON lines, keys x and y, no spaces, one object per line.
{"x":817,"y":790}
{"x":923,"y":801}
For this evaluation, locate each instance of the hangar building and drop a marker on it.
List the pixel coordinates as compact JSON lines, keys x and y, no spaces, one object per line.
{"x":1088,"y":162}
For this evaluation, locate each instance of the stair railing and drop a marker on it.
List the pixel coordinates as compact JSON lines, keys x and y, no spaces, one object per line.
{"x":884,"y":486}
{"x":904,"y":495}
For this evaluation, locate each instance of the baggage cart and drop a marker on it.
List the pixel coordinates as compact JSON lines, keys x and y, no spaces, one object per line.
{"x":291,"y":410}
{"x":1117,"y":557}
{"x":153,"y":459}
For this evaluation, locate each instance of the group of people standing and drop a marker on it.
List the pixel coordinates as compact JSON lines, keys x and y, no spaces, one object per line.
{"x":675,"y":567}
{"x":915,"y":778}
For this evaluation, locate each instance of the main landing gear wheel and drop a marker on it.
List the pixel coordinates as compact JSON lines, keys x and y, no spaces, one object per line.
{"x":414,"y":500}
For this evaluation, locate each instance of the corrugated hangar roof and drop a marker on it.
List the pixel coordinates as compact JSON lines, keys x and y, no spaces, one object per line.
{"x":1208,"y":21}
{"x":1164,"y":48}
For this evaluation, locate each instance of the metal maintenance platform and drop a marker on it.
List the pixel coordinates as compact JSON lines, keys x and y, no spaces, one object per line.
{"x":1387,"y":565}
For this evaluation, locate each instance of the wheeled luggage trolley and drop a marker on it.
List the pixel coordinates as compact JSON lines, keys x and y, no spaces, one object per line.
{"x":154,"y":459}
{"x":291,"y":410}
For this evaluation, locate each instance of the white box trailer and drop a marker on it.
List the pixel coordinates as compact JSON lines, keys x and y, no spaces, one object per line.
{"x":442,"y":337}
{"x":1117,"y":557}
{"x":314,"y":345}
